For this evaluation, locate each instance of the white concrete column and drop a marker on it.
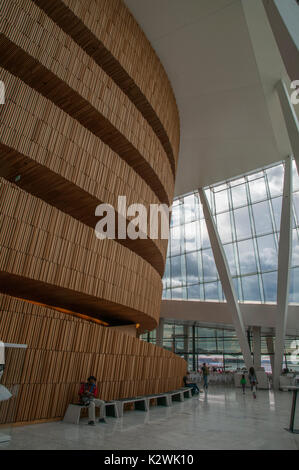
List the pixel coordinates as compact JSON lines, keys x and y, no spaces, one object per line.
{"x":186,"y":341}
{"x":256,"y":336}
{"x":226,"y":280}
{"x":159,"y":333}
{"x":270,"y":348}
{"x":284,"y":261}
{"x":291,"y":119}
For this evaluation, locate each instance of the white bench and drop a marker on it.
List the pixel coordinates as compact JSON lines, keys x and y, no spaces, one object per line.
{"x":163,"y":399}
{"x":73,"y":412}
{"x":177,"y":395}
{"x":187,"y":391}
{"x":116,"y":408}
{"x":112,"y":409}
{"x":140,"y":403}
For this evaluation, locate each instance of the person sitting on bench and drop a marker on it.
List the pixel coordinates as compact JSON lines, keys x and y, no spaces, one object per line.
{"x":194,"y":387}
{"x":88,"y":396}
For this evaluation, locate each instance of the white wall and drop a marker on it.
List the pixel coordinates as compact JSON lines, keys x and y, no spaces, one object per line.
{"x":218,"y":312}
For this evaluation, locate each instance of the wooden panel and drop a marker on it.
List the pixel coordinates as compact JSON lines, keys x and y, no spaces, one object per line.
{"x":74,"y":175}
{"x":124,"y":366}
{"x":49,"y":257}
{"x":79,"y":128}
{"x":89,"y":23}
{"x":43,"y":56}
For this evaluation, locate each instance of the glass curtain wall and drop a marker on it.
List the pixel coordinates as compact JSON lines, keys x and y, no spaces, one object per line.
{"x":247,"y":213}
{"x":219,"y":347}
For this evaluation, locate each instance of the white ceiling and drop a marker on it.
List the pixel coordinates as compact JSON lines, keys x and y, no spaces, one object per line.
{"x":223,"y":62}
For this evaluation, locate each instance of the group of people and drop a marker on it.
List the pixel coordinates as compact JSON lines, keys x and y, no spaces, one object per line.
{"x":89,"y":391}
{"x":205,"y":373}
{"x":252,"y":380}
{"x":192,"y":385}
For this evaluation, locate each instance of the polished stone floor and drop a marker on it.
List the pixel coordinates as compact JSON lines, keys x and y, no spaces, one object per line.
{"x":223,"y":418}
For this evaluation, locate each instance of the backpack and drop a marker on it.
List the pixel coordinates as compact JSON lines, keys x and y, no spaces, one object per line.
{"x":84,"y":401}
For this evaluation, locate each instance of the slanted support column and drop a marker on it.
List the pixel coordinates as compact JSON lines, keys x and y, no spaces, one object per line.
{"x":284,"y":260}
{"x":160,"y":333}
{"x":226,"y":280}
{"x":256,"y":335}
{"x":291,"y":119}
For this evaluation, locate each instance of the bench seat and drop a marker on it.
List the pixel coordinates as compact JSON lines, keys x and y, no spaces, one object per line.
{"x":73,"y":412}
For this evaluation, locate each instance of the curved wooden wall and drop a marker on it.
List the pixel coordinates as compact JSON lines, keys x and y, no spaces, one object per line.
{"x":75,"y":169}
{"x":130,"y":61}
{"x":48,"y":256}
{"x":40,"y":54}
{"x":79,"y":129}
{"x":63,"y":351}
{"x":89,"y":116}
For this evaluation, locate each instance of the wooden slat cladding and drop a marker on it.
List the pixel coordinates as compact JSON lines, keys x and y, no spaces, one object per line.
{"x":35,"y":49}
{"x":37,"y":142}
{"x":88,"y":24}
{"x":50,"y":257}
{"x":80,"y":127}
{"x":63,"y":351}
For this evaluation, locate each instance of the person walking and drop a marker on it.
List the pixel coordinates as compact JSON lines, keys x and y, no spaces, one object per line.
{"x":205,"y":373}
{"x":243,"y":383}
{"x":253,"y":381}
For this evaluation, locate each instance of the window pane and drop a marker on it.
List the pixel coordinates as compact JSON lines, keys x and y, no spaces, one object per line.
{"x":275,"y":179}
{"x":207,"y":345}
{"x":294,"y":281}
{"x":191,"y":237}
{"x":209,"y":266}
{"x":296,"y":206}
{"x":251,"y":289}
{"x":295,"y":177}
{"x":242,"y":222}
{"x":237,"y":286}
{"x":211,"y":291}
{"x":166,"y":277}
{"x":230,"y":256}
{"x":224,"y":227}
{"x":175,"y":241}
{"x":192,"y":267}
{"x":204,"y":235}
{"x":221,"y":201}
{"x":267,"y":253}
{"x":247,"y":257}
{"x":231,"y":345}
{"x":204,"y":332}
{"x":257,"y":190}
{"x":255,"y":176}
{"x":239,"y":196}
{"x":179,"y":293}
{"x":295,"y":250}
{"x":176,"y":271}
{"x":276,"y":205}
{"x":176,"y":214}
{"x":189,"y":208}
{"x":270,"y":286}
{"x":262,"y":218}
{"x":195,"y":292}
{"x":168,"y":331}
